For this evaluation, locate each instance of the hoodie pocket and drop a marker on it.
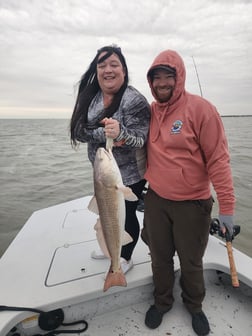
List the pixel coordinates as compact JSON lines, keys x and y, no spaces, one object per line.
{"x":174,"y":184}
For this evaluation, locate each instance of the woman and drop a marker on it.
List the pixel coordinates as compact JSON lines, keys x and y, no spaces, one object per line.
{"x":107,"y":106}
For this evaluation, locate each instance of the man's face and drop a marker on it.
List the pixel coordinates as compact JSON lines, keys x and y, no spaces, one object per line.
{"x":163,"y":85}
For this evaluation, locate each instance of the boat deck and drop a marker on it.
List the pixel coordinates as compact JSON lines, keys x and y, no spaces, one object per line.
{"x":48,"y":266}
{"x":229,"y":312}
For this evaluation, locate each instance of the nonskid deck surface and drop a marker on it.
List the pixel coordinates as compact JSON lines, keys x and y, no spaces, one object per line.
{"x":229,"y":312}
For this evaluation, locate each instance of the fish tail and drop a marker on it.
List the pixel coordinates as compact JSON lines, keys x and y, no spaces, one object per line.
{"x":114,"y":279}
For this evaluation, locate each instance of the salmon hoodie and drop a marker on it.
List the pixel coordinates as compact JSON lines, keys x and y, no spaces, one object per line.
{"x":187,"y":146}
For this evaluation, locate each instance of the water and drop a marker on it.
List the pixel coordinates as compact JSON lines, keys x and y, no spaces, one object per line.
{"x":39,"y":168}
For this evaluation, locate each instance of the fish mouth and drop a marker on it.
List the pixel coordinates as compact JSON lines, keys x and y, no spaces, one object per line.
{"x":106,"y":152}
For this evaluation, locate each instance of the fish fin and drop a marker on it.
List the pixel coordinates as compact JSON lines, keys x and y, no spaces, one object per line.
{"x":126,"y":238}
{"x":127,"y":193}
{"x":114,"y":279}
{"x":92,"y":206}
{"x":101,"y":239}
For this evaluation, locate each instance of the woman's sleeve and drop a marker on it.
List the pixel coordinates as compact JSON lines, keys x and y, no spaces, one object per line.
{"x":135,"y":123}
{"x":83,"y":134}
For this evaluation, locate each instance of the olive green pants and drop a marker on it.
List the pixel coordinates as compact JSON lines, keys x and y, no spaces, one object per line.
{"x":181,"y":226}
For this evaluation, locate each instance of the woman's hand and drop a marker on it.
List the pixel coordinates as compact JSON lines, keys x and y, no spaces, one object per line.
{"x":111,"y":127}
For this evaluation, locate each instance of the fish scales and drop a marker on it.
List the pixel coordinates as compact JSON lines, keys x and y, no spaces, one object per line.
{"x":112,"y":215}
{"x":110,"y":195}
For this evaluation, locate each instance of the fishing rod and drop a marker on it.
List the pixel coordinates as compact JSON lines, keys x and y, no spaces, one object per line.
{"x":215,"y":225}
{"x":215,"y":228}
{"x":196,"y":71}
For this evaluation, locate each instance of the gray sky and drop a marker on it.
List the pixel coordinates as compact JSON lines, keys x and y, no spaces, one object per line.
{"x":45,"y":47}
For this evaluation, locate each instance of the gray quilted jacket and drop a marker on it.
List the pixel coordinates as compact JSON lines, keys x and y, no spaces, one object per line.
{"x":133,"y":115}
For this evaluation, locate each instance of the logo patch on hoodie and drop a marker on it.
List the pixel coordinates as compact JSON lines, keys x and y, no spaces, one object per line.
{"x":176,"y":127}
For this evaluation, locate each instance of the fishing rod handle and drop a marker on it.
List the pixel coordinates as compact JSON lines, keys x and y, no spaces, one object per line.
{"x":233,"y":272}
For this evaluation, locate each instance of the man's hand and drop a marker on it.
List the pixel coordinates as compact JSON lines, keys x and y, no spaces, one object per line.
{"x":227,"y":224}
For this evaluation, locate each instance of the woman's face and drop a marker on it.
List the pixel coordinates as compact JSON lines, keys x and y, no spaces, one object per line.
{"x":110,"y":74}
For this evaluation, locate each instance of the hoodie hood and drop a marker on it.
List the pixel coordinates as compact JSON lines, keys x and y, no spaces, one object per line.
{"x":171,"y":59}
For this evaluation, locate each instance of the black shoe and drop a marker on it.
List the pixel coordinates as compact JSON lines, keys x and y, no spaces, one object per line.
{"x":200,"y":324}
{"x":153,"y":317}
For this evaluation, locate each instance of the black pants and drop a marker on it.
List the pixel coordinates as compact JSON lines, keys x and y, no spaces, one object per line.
{"x":181,"y":226}
{"x":131,"y":221}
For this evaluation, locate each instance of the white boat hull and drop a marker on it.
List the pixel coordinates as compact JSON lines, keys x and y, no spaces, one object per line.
{"x":48,"y":266}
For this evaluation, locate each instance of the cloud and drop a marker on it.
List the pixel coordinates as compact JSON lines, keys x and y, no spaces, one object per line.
{"x":45,"y":46}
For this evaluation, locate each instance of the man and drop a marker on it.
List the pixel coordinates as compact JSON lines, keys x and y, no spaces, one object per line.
{"x":187,"y":150}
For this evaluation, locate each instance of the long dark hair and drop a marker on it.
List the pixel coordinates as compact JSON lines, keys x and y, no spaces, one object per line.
{"x":88,"y":88}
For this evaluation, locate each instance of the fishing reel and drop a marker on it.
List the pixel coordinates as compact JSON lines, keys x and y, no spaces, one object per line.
{"x":215,"y":228}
